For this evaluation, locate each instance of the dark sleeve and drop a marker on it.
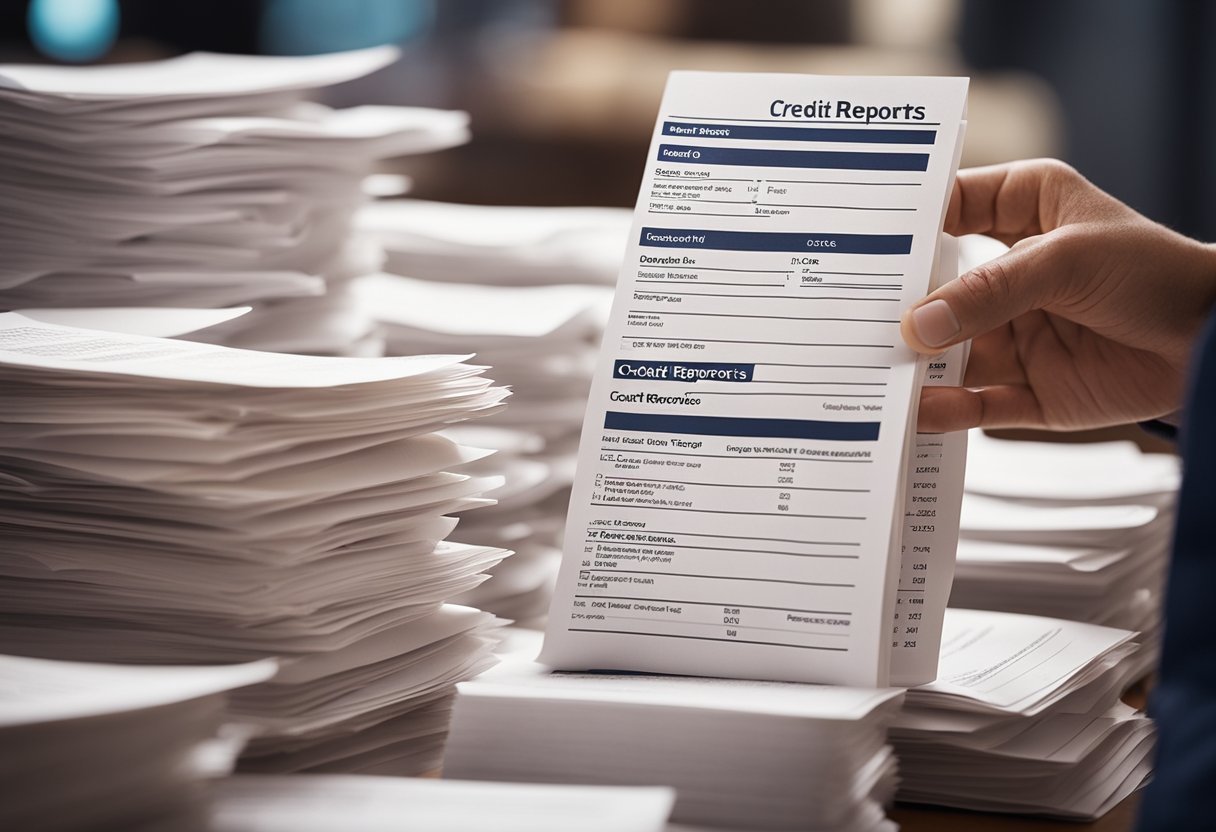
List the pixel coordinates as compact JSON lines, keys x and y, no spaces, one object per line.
{"x":1182,"y":794}
{"x":1161,"y":429}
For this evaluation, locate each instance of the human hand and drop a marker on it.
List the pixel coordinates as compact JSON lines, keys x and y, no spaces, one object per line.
{"x":1088,"y":320}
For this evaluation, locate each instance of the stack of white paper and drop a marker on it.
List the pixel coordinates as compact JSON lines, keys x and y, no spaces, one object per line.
{"x":542,"y":341}
{"x":739,"y":754}
{"x":1025,"y":717}
{"x":92,"y":746}
{"x":324,"y":803}
{"x":527,"y":518}
{"x":1078,"y":531}
{"x":166,"y":501}
{"x":381,"y":706}
{"x":501,"y":245}
{"x":527,"y":290}
{"x":204,"y":180}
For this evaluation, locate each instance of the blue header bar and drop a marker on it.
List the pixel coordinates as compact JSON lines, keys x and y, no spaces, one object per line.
{"x":686,"y":372}
{"x":776,"y":241}
{"x":822,"y":159}
{"x":690,"y":130}
{"x":738,"y":426}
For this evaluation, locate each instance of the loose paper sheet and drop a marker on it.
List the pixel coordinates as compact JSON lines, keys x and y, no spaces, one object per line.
{"x":740,"y":473}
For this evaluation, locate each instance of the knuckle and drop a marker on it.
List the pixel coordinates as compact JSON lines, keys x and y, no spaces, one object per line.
{"x":1070,"y":245}
{"x":1068,"y":239}
{"x":987,"y":286}
{"x":1058,"y":170}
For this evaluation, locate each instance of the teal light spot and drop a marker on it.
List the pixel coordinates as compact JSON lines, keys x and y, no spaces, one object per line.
{"x":308,"y":27}
{"x":73,"y":30}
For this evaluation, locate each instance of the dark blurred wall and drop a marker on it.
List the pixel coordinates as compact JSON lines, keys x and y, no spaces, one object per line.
{"x":1137,"y":80}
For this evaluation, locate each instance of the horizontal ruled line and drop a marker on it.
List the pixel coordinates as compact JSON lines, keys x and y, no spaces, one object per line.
{"x":784,"y":393}
{"x":738,"y":485}
{"x":717,"y":549}
{"x":719,"y":577}
{"x":838,"y":182}
{"x":857,"y":124}
{"x":730,"y":456}
{"x":707,"y":638}
{"x":741,"y":627}
{"x":703,"y":179}
{"x":710,"y":283}
{"x":766,"y":317}
{"x":714,"y":604}
{"x":680,"y":198}
{"x":709,"y":214}
{"x":825,"y":366}
{"x":725,"y":511}
{"x":715,"y":269}
{"x":864,"y":274}
{"x":694,"y":198}
{"x":818,"y":383}
{"x":750,"y":537}
{"x":832,"y":207}
{"x":889,"y":287}
{"x":763,"y":297}
{"x":762,"y":343}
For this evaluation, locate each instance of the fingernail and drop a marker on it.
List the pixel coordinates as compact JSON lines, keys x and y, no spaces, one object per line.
{"x":935,"y":324}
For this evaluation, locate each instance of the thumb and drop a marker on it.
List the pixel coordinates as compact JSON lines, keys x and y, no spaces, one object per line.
{"x":986,"y":297}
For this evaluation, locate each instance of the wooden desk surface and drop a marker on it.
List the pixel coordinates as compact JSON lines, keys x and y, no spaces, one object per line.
{"x":930,"y":819}
{"x":926,"y":819}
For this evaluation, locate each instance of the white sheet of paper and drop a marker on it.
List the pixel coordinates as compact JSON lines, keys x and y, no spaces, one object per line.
{"x":326,"y":802}
{"x":153,"y":322}
{"x":196,"y":74}
{"x":479,"y":226}
{"x":739,"y":485}
{"x":828,"y":702}
{"x":30,"y":344}
{"x":496,"y":244}
{"x":1097,"y":471}
{"x":1061,"y":524}
{"x":1015,"y":662}
{"x":41,"y":690}
{"x":456,"y":309}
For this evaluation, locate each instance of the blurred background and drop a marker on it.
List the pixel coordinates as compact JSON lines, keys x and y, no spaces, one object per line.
{"x":563,"y":92}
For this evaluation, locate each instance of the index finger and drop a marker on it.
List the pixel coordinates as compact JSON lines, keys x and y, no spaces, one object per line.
{"x":1017,"y":200}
